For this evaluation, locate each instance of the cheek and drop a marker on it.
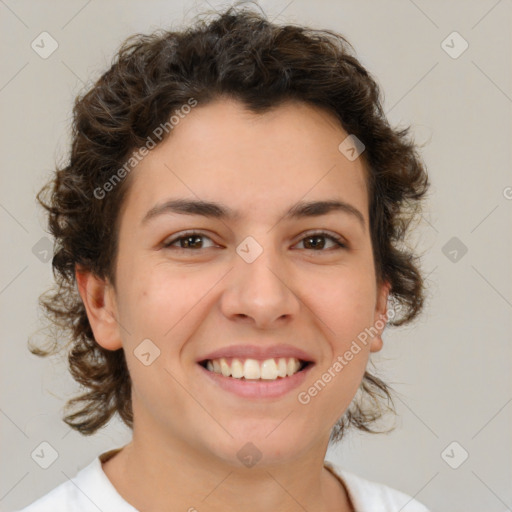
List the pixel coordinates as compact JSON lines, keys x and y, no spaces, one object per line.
{"x":167,"y":304}
{"x":345,"y":310}
{"x":159,"y":301}
{"x":158,"y":305}
{"x":345,"y":303}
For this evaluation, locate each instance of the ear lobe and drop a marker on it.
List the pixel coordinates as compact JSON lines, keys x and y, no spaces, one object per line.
{"x":380,"y":317}
{"x":98,"y":298}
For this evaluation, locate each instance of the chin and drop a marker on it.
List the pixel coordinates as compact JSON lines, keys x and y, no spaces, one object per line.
{"x":263,"y":445}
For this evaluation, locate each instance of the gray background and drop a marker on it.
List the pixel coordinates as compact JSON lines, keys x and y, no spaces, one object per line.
{"x":452,"y":368}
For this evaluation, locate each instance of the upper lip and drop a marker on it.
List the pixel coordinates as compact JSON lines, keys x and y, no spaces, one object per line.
{"x":258,"y":352}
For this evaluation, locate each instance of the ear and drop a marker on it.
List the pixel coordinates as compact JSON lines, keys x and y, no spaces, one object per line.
{"x":98,"y":297}
{"x":380,"y":316}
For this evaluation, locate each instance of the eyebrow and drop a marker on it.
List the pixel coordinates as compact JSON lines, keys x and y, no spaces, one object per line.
{"x":211,"y":209}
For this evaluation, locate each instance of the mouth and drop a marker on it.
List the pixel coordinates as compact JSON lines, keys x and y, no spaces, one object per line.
{"x":254,"y":379}
{"x":272,"y":369}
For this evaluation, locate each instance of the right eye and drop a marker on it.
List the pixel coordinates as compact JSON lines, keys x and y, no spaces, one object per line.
{"x":188,"y":240}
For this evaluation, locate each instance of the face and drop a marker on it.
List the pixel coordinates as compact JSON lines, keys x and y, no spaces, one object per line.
{"x":259,"y":278}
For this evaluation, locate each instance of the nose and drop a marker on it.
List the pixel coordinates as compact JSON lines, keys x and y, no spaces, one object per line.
{"x":262,"y":292}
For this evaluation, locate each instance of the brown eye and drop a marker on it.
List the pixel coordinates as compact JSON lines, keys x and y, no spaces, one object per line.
{"x":187,"y":241}
{"x":316,"y":241}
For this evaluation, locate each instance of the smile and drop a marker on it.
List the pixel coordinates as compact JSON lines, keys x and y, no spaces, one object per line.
{"x":253,"y":369}
{"x":251,"y":378}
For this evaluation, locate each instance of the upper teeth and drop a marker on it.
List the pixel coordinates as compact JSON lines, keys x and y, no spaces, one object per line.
{"x":254,"y":369}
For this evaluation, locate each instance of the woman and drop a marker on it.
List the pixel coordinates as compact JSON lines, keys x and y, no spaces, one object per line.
{"x":229,"y":231}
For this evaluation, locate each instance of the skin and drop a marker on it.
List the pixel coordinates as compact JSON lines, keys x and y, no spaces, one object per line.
{"x":187,"y":432}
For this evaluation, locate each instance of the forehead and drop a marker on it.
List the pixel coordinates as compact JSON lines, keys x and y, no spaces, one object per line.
{"x":254,"y":163}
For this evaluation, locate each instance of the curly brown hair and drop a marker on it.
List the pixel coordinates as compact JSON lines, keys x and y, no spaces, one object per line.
{"x":238,"y":54}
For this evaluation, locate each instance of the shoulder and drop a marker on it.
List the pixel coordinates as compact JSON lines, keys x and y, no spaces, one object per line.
{"x":367,"y":494}
{"x":89,"y":491}
{"x":65,"y":497}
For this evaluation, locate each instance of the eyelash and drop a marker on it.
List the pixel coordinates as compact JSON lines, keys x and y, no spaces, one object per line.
{"x":336,"y":239}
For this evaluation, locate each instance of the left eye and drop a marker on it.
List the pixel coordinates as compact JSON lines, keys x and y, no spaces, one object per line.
{"x":312,"y":239}
{"x":193,"y":241}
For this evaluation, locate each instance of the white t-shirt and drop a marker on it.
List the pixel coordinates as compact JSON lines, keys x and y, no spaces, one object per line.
{"x":91,"y":491}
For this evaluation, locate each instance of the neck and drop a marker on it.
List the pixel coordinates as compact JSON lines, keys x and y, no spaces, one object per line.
{"x":191,"y":481}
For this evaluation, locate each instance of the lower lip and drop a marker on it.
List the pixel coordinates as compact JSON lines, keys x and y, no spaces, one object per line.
{"x":258,"y":388}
